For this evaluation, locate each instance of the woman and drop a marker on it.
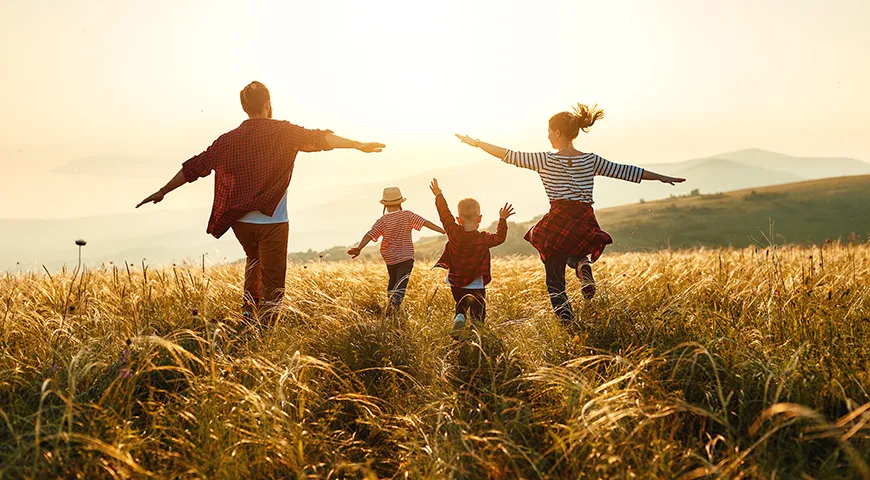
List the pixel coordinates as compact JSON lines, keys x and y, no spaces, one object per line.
{"x":569,"y":235}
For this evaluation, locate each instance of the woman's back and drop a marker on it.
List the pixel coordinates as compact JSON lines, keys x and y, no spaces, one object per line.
{"x":571,"y":177}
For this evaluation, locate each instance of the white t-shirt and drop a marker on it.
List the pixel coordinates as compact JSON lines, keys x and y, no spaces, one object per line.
{"x":476,"y":284}
{"x":280,"y":215}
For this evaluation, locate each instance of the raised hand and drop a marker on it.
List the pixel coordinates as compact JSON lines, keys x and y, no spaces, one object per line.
{"x":436,"y":190}
{"x":371,"y":147}
{"x":153,"y":198}
{"x":506,"y":211}
{"x":353,"y":252}
{"x":468,"y":140}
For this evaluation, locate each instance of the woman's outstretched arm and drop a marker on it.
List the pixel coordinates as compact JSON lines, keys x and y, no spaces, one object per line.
{"x":648,"y":175}
{"x":629,"y":173}
{"x":486,"y":147}
{"x":532,"y":161}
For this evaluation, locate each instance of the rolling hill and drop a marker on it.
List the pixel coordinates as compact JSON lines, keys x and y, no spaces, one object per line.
{"x":804,"y":212}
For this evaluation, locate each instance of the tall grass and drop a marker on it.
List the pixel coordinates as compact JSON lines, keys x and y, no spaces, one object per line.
{"x":693,"y":364}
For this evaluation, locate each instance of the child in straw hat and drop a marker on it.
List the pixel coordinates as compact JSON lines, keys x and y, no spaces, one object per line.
{"x":397,"y":247}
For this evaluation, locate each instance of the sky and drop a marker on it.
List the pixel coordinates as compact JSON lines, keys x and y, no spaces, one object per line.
{"x":156,"y":82}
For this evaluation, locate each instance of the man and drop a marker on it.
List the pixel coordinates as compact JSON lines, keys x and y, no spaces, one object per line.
{"x":253,"y":165}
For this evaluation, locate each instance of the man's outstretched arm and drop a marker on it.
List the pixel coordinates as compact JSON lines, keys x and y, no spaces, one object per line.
{"x":335,"y":141}
{"x":177,"y":181}
{"x":197,"y":167}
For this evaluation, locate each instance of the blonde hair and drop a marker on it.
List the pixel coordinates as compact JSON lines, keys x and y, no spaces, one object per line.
{"x":468,"y":209}
{"x":581,"y":117}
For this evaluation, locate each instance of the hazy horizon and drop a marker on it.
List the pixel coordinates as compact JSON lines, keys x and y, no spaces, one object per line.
{"x":127,"y":80}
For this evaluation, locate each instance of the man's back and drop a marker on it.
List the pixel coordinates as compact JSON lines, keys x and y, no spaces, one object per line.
{"x":253,"y":165}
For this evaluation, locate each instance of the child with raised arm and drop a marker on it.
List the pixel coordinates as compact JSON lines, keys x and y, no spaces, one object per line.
{"x":466,"y":255}
{"x":397,"y":247}
{"x":569,"y":234}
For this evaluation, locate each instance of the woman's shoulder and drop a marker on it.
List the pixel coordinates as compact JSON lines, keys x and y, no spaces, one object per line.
{"x":578,"y":154}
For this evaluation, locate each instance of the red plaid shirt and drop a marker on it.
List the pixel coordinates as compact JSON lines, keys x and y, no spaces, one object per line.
{"x":569,"y":227}
{"x":466,"y":255}
{"x":253,"y":165}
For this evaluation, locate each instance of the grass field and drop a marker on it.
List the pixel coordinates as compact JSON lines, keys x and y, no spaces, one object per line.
{"x":749,"y":363}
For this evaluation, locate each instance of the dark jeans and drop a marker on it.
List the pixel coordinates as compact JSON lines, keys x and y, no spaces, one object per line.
{"x":554,"y":267}
{"x":472,"y":300}
{"x":400,"y":273}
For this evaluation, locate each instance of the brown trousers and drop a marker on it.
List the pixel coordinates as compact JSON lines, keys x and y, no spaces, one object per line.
{"x":265,"y":247}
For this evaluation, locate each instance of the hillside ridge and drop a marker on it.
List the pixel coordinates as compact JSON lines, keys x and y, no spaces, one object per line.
{"x":810,"y":211}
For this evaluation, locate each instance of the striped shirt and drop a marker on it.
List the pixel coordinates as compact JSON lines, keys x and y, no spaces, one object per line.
{"x":570,"y":177}
{"x":395,"y":227}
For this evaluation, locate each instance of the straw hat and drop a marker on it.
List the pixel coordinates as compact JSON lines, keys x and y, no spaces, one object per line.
{"x":392,"y":196}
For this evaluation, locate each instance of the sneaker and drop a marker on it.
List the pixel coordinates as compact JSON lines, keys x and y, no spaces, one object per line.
{"x":458,"y":324}
{"x":587,"y":281}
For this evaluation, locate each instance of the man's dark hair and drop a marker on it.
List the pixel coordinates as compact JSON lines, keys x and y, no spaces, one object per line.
{"x":254,"y":98}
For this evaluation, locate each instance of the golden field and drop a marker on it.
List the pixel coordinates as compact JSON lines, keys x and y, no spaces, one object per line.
{"x":748,"y":363}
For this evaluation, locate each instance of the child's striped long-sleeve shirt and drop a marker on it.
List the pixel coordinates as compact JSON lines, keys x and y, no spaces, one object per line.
{"x":571,"y":177}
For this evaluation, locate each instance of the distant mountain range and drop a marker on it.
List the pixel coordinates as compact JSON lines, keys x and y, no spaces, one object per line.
{"x":161,"y":235}
{"x":117,"y":166}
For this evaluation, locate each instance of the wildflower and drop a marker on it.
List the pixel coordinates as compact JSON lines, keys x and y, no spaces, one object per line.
{"x":830,"y":292}
{"x":53,"y":367}
{"x":81,"y":243}
{"x":576,"y":339}
{"x":124,"y":363}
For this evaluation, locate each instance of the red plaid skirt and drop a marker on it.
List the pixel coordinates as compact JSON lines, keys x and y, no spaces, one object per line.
{"x":569,"y":227}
